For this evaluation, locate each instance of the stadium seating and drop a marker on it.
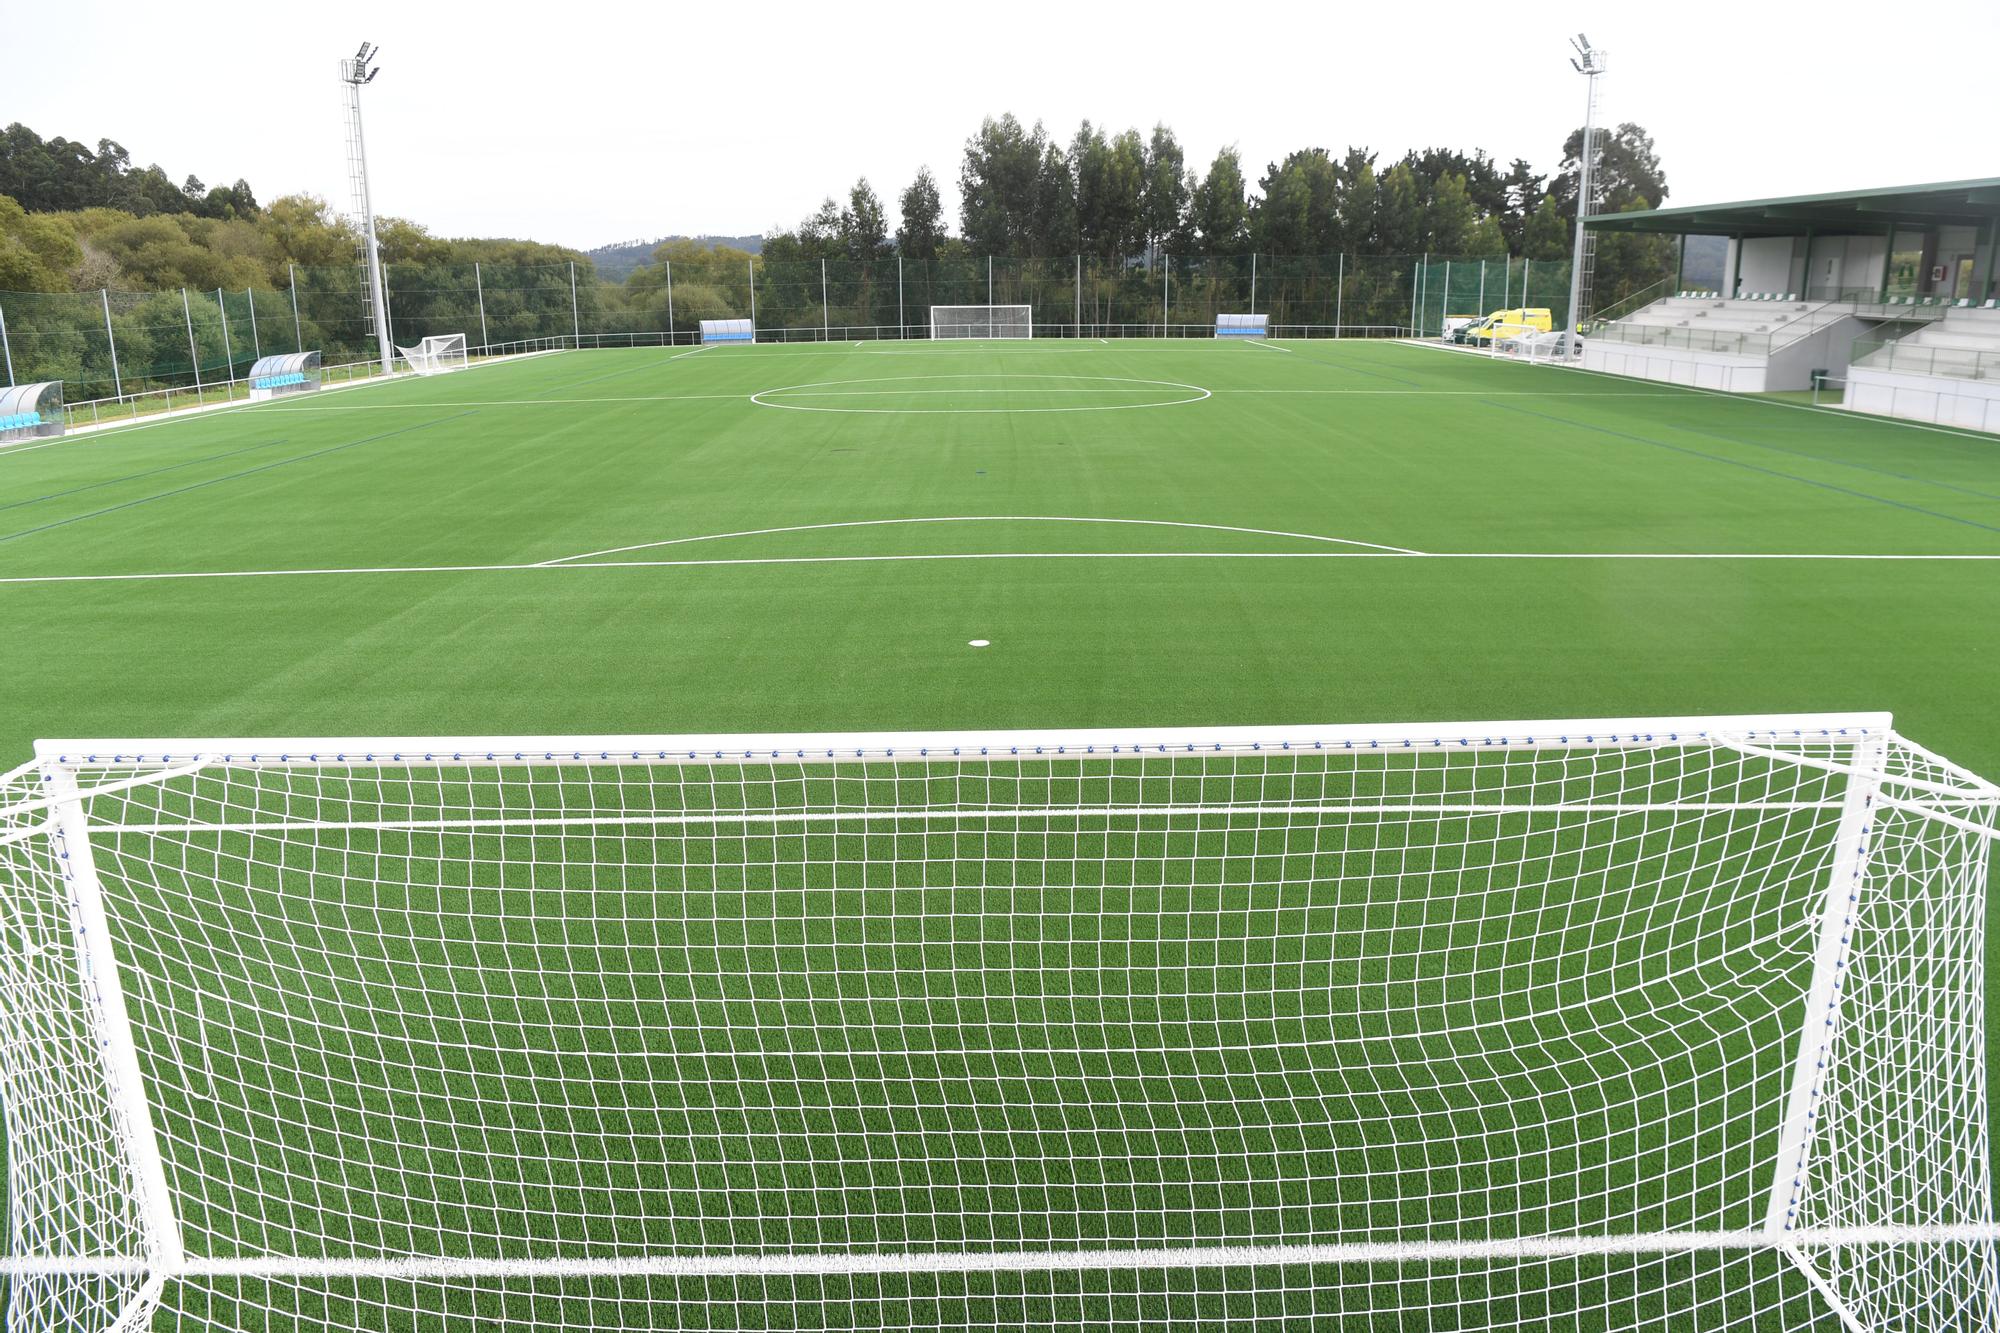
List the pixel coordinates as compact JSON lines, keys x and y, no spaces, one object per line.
{"x":1712,"y":322}
{"x":1965,"y":344}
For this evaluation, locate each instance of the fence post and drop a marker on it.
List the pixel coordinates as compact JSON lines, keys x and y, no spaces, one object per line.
{"x":256,"y":343}
{"x":1525,"y":262}
{"x":1339,"y":291}
{"x":900,"y":324}
{"x":989,"y":283}
{"x":1423,"y":294}
{"x":1482,"y":290}
{"x":228,"y":348}
{"x":194,"y":356}
{"x":1166,"y":267}
{"x":479,"y":288}
{"x":117,"y":381}
{"x":825,"y":325}
{"x":670,"y":300}
{"x":1253,"y":282}
{"x":1079,"y":294}
{"x":298,"y":329}
{"x":6,"y":348}
{"x":751,"y":263}
{"x":575,"y":316}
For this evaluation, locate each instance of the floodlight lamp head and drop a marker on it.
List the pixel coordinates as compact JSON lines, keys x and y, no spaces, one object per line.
{"x":355,"y":70}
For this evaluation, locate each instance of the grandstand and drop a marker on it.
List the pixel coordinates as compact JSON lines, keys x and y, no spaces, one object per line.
{"x":1946,"y":370}
{"x":1816,"y":284}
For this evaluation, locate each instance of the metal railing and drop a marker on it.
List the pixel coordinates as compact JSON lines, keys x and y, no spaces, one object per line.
{"x":1905,"y":357}
{"x":1627,"y":305}
{"x":156,"y":402}
{"x":1734,"y":342}
{"x":922,"y":333}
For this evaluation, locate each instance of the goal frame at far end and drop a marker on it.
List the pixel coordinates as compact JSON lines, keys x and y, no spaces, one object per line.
{"x":1025,"y":324}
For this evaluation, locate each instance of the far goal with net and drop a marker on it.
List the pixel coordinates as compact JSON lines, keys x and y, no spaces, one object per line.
{"x":982,"y":321}
{"x":1639,"y":1024}
{"x":436,"y":354}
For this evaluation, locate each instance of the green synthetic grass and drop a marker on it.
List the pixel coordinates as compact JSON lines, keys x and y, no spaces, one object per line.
{"x":830,"y":1013}
{"x":1406,"y":447}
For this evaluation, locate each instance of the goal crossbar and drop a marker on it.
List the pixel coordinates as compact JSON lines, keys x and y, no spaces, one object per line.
{"x":401,"y":751}
{"x":800,"y":1264}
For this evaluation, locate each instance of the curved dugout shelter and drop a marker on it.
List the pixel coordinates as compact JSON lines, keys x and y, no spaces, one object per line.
{"x":30,"y":411}
{"x":287,"y":372}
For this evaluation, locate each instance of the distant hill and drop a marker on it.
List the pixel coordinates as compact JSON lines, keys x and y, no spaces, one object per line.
{"x":616,"y":261}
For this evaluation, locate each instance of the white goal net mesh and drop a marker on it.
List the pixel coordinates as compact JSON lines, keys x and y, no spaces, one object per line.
{"x":982,"y":321}
{"x":436,"y":354}
{"x":1604,"y":1025}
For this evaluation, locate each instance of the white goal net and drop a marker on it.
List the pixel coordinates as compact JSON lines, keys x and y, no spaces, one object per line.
{"x":1525,"y":342}
{"x":436,"y":354}
{"x":982,"y":321}
{"x":1670,"y":1024}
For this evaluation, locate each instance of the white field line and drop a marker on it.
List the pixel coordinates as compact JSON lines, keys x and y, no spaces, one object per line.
{"x":783,"y":396}
{"x":832,"y":1263}
{"x":84,"y":434}
{"x":981,"y":518}
{"x":309,"y":408}
{"x":950,"y":814}
{"x":906,"y":393}
{"x":361,"y":570}
{"x":1266,"y":344}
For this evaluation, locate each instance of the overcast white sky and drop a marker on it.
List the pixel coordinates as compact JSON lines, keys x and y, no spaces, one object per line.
{"x":586,"y":122}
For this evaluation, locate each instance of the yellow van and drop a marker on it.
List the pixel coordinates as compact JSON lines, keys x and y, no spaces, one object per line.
{"x":1502,"y":323}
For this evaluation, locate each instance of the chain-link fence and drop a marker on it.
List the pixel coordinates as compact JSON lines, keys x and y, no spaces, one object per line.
{"x":112,"y":344}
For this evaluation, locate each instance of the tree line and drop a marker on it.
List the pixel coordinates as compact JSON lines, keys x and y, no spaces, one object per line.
{"x":1026,"y":194}
{"x":1082,"y":228}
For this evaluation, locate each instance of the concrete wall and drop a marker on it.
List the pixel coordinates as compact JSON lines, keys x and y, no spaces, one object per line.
{"x":1844,"y":262}
{"x":1938,"y":399}
{"x":1828,"y":349}
{"x":1676,"y":365}
{"x":1767,"y":264}
{"x":1790,"y":367}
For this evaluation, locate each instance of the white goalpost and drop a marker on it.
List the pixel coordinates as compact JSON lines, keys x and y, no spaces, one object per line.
{"x":436,"y":354}
{"x":982,"y":321}
{"x":1627,"y":1024}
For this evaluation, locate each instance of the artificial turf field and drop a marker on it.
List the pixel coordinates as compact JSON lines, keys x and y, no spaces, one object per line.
{"x":1311,"y":466}
{"x":1046,"y":1034}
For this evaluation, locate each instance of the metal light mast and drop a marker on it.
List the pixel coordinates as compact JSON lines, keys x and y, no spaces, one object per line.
{"x":1589,"y":62}
{"x":354,"y":72}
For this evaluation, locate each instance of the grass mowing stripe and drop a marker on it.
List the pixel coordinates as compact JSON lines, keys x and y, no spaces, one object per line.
{"x":135,"y":476}
{"x":1737,"y":462}
{"x":1839,"y":462}
{"x":233,"y":476}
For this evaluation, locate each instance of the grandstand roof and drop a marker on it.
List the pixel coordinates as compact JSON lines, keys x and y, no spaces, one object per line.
{"x":1942,"y":202}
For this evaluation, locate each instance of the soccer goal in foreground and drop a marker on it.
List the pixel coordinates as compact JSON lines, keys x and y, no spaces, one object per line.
{"x":436,"y":354}
{"x":982,"y":321}
{"x":1631,"y":1024}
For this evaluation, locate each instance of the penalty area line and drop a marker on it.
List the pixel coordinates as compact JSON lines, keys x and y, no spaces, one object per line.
{"x":574,"y":563}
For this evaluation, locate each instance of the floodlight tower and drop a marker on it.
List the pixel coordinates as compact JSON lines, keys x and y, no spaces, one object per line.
{"x":1587,"y":61}
{"x":355,"y":72}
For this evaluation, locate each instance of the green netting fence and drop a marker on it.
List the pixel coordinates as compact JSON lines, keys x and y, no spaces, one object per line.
{"x":110,"y":344}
